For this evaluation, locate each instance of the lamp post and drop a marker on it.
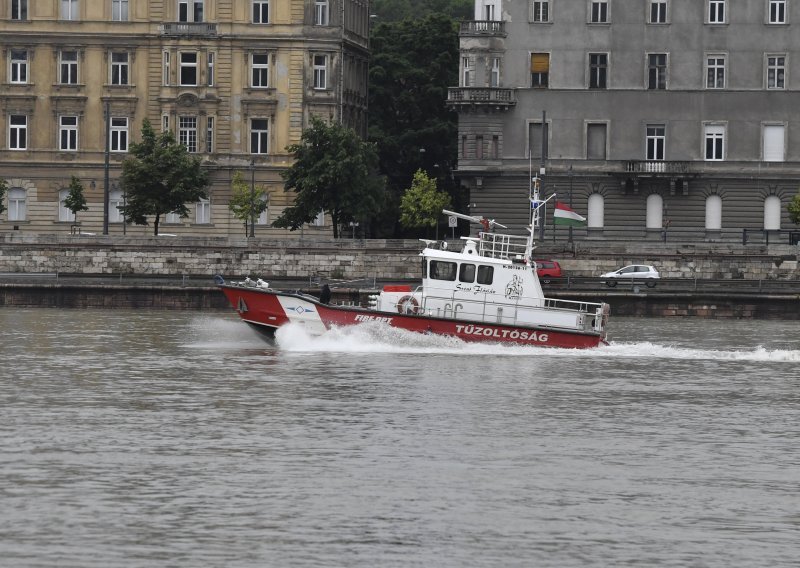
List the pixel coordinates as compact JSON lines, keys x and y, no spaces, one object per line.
{"x":252,"y":198}
{"x":107,"y":113}
{"x":569,"y":239}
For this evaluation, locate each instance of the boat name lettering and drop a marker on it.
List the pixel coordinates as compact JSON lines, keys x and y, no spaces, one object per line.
{"x":533,"y":336}
{"x":362,"y":317}
{"x":477,"y":289}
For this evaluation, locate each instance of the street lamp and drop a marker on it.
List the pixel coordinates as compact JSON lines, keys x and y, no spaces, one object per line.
{"x":569,"y":239}
{"x":252,"y":198}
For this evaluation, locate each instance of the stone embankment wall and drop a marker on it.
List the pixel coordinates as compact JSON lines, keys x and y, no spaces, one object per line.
{"x":353,"y":259}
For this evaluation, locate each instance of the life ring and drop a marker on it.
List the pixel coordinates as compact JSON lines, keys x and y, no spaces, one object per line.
{"x":407,"y":305}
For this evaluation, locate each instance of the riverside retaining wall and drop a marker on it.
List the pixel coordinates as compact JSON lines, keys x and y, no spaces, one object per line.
{"x":354,"y":259}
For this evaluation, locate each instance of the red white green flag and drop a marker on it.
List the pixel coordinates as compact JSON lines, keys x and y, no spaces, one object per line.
{"x":563,"y":215}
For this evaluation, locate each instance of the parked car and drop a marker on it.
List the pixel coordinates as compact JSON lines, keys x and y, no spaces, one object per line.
{"x":644,"y":272}
{"x":547,"y":270}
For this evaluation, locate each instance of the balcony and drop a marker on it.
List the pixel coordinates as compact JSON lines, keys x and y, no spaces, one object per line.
{"x":188,"y":29}
{"x":461,"y":98}
{"x":656,"y":167}
{"x":482,"y":28}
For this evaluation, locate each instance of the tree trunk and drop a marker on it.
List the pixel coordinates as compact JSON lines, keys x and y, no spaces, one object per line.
{"x":155,"y":224}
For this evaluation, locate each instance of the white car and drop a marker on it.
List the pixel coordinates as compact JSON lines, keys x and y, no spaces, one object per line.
{"x":644,"y":272}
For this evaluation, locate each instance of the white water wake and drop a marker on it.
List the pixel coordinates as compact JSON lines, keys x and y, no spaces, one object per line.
{"x":376,"y":337}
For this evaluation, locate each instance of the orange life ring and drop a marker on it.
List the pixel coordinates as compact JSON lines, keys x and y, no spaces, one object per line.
{"x":407,"y":305}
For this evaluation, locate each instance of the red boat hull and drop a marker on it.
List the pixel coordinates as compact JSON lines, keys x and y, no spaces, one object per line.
{"x":269,"y":309}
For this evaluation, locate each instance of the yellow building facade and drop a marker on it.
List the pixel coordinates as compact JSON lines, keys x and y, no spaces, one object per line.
{"x":236,"y":81}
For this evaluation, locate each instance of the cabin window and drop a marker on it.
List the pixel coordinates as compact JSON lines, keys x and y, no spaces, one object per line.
{"x":467,"y":273}
{"x":443,"y":270}
{"x":424,"y":268}
{"x":485,"y":274}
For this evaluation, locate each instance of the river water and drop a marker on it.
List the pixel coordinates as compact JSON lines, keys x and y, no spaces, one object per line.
{"x":149,"y":438}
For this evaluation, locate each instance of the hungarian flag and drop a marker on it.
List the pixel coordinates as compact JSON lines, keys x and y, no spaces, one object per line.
{"x":563,"y":215}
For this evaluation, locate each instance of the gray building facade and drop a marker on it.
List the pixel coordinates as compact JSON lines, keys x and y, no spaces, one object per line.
{"x":662,"y":118}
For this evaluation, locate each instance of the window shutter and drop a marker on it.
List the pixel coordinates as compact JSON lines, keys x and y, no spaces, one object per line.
{"x":540,"y":63}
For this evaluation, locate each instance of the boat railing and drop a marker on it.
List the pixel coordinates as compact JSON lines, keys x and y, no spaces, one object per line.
{"x":502,"y":246}
{"x":586,"y":307}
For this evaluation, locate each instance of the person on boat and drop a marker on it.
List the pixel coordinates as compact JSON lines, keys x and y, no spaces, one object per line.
{"x":486,"y":224}
{"x":325,"y":294}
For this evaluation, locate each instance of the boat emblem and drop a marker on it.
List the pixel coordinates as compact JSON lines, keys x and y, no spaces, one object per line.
{"x":300,"y":310}
{"x":514,"y":288}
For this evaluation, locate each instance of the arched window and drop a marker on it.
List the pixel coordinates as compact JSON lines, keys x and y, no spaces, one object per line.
{"x":772,"y":213}
{"x":17,"y":199}
{"x":655,"y":211}
{"x":713,"y":213}
{"x":64,"y":214}
{"x":596,"y":215}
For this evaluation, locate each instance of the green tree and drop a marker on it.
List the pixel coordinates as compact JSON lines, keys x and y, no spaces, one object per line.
{"x":160,"y":177}
{"x":413,"y":64}
{"x":396,"y":10}
{"x":247,"y":202}
{"x":334,"y":171}
{"x":422,"y":204}
{"x":3,"y":193}
{"x":75,"y":200}
{"x":794,"y":209}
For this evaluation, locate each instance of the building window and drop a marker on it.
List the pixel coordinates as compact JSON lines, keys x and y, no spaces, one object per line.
{"x":772,"y":213}
{"x":116,"y":199}
{"x":187,"y":132}
{"x":17,"y":132}
{"x":119,"y":134}
{"x":488,"y":11}
{"x":494,"y":76}
{"x":595,"y":219}
{"x":209,"y":134}
{"x":188,"y":69}
{"x":658,"y":11}
{"x":68,"y":68}
{"x":540,"y":11}
{"x":320,"y":72}
{"x":713,"y":213}
{"x":260,"y":70}
{"x":164,"y":123}
{"x":715,"y":72}
{"x":260,"y":11}
{"x":777,"y":11}
{"x":774,"y":143}
{"x":190,"y":10}
{"x":466,"y":72}
{"x":494,"y":148}
{"x":479,"y":147}
{"x":776,"y":71}
{"x":657,"y":71}
{"x":19,"y":9}
{"x":716,"y":11}
{"x":18,"y":73}
{"x":69,"y":9}
{"x":540,"y":70}
{"x":119,"y":10}
{"x":263,"y":218}
{"x":656,"y":141}
{"x":259,"y":135}
{"x":715,"y":142}
{"x":654,"y":214}
{"x":64,"y":214}
{"x":598,"y":70}
{"x":203,"y":212}
{"x":17,"y":204}
{"x":596,"y":141}
{"x":321,"y":13}
{"x":210,"y":60}
{"x":119,"y":68}
{"x":166,"y":69}
{"x":68,"y":133}
{"x":537,"y":141}
{"x":599,"y":12}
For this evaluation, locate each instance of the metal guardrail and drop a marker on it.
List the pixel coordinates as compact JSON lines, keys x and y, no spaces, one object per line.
{"x":677,"y":285}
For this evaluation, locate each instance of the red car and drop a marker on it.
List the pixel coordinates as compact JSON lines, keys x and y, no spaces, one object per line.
{"x":547,"y":270}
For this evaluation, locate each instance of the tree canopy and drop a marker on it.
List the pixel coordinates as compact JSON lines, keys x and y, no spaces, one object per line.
{"x":794,"y":209}
{"x":247,"y":201}
{"x":334,"y":171}
{"x":160,"y":177}
{"x":3,"y":192}
{"x":413,"y":64}
{"x":422,"y":204}
{"x":75,"y":200}
{"x":396,"y":10}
